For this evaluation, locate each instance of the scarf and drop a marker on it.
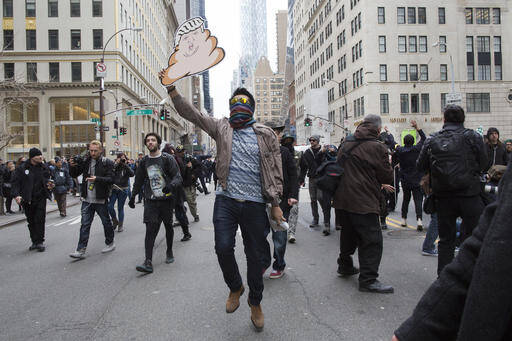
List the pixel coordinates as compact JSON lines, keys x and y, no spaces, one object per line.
{"x":241,"y":115}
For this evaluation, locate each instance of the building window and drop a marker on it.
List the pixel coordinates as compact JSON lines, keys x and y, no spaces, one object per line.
{"x":53,"y":8}
{"x":30,"y":8}
{"x":469,"y":44}
{"x":54,"y":75}
{"x":442,"y":15}
{"x":498,"y":73}
{"x":442,"y":44}
{"x":471,"y":72}
{"x":443,"y":101}
{"x":31,"y":72}
{"x":484,"y":72}
{"x":482,"y":16}
{"x":7,"y":8}
{"x":422,"y":15}
{"x":469,"y":15}
{"x":76,"y":72}
{"x":425,"y":103}
{"x":483,"y":44}
{"x":411,"y":15}
{"x":8,"y":71}
{"x":413,"y":44}
{"x":400,"y":15}
{"x":415,"y":103}
{"x":423,"y":72}
{"x":97,"y":38}
{"x":97,"y":8}
{"x":497,"y":44}
{"x":383,"y":72}
{"x":402,"y":44}
{"x":31,"y":39}
{"x":423,"y":44}
{"x":404,"y":103}
{"x":8,"y":40}
{"x":496,"y":16}
{"x":444,"y":72}
{"x":382,"y":15}
{"x":76,"y":40}
{"x":478,"y":102}
{"x":403,"y":73}
{"x":384,"y":103}
{"x":413,"y":72}
{"x":53,"y":39}
{"x":382,"y":44}
{"x":75,"y":8}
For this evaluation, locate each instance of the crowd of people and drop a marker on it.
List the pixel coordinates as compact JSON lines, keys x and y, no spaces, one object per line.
{"x":451,"y":175}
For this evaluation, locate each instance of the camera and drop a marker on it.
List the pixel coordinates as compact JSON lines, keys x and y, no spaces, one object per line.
{"x":491,"y":189}
{"x":198,"y":187}
{"x":188,"y":158}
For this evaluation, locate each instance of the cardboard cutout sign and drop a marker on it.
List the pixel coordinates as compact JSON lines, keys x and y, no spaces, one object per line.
{"x":195,"y":50}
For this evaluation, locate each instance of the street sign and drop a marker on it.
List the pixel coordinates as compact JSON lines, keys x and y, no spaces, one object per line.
{"x":114,"y":136}
{"x":117,"y":143}
{"x":139,"y":112}
{"x":454,"y":98}
{"x":101,"y":70}
{"x":95,"y":119}
{"x":100,"y":128}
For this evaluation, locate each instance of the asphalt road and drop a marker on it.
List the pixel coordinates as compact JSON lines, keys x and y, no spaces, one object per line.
{"x":49,"y":296}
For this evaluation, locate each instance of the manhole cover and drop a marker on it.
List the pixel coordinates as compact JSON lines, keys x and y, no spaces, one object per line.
{"x":404,"y":234}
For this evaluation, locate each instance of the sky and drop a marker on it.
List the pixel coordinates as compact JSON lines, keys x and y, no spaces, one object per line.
{"x":224,"y":23}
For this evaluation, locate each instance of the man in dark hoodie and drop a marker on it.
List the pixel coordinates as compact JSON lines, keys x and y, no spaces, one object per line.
{"x":496,"y":151}
{"x":367,"y":168}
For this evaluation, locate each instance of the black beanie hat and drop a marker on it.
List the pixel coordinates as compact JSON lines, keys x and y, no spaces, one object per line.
{"x":34,"y":152}
{"x":492,"y":130}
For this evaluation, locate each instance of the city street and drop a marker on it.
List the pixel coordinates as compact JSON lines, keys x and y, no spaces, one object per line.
{"x":49,"y":296}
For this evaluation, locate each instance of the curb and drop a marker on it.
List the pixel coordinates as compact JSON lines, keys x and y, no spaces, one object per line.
{"x":23,"y":218}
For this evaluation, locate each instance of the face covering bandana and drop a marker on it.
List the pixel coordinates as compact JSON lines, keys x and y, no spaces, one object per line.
{"x":241,"y":115}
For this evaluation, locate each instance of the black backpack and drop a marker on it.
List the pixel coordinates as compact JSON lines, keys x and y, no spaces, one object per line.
{"x":329,"y":173}
{"x":449,"y":161}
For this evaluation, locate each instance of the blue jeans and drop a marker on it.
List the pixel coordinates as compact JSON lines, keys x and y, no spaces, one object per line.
{"x":252,"y":218}
{"x":279,"y":239}
{"x":119,"y":196}
{"x":88,"y":210}
{"x":432,"y":233}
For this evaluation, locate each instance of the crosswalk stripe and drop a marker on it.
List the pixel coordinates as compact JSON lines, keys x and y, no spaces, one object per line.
{"x":400,"y":223}
{"x":66,"y":221}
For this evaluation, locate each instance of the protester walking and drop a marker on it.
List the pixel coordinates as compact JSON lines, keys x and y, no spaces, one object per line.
{"x":288,"y":141}
{"x":7,"y":186}
{"x":63,"y":184}
{"x":120,"y":191}
{"x":97,"y":173}
{"x":31,"y":188}
{"x":190,"y":171}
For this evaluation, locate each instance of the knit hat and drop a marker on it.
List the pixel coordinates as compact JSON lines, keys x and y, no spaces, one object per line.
{"x":179,"y":149}
{"x":57,"y":159}
{"x":34,"y":152}
{"x":315,"y":137}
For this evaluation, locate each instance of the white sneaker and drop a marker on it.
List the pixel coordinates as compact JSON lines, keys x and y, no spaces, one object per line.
{"x":109,"y":248}
{"x":291,"y":238}
{"x":404,"y":222}
{"x":78,"y":254}
{"x":420,"y":225}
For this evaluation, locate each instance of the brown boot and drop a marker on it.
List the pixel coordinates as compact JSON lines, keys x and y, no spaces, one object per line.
{"x":257,"y":317}
{"x":233,"y":301}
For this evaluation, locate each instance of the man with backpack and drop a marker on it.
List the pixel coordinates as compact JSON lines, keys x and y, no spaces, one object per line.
{"x":324,"y":175}
{"x":455,"y":157}
{"x":366,"y":169}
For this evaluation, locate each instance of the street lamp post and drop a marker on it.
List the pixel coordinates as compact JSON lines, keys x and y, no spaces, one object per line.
{"x":102,"y":79}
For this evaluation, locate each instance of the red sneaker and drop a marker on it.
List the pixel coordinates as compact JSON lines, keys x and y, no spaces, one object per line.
{"x":276,"y":274}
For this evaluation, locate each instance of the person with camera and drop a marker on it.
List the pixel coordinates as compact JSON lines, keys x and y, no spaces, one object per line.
{"x":455,"y":158}
{"x":120,"y":190}
{"x":63,"y":184}
{"x":190,"y":170}
{"x":249,"y":171}
{"x":97,"y":173}
{"x":157,"y":178}
{"x":31,"y":187}
{"x":366,"y":170}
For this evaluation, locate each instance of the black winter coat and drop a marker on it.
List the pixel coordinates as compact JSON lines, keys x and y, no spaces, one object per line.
{"x":122,"y":175}
{"x":104,"y":176}
{"x":497,"y":154}
{"x":472,"y":298}
{"x":309,"y":163}
{"x":62,"y":183}
{"x":407,"y":156}
{"x":290,"y":178}
{"x":24,"y":180}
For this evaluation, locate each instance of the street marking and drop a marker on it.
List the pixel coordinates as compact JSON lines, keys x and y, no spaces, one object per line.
{"x":393,"y":224}
{"x":400,"y":223}
{"x":67,"y":221}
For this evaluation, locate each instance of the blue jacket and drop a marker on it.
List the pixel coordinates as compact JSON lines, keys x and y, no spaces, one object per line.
{"x":63,"y":181}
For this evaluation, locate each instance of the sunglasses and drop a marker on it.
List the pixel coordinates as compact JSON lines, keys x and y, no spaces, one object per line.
{"x":242,"y":100}
{"x":312,"y":140}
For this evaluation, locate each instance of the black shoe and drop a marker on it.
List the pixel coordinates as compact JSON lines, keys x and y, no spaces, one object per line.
{"x":32,"y":247}
{"x":384,"y":227}
{"x":347,"y":272}
{"x":206,"y":193}
{"x":63,"y":215}
{"x":376,"y":287}
{"x":186,"y":237}
{"x":169,"y":259}
{"x":338,"y":228}
{"x":40,"y":247}
{"x":326,"y":231}
{"x":146,"y":267}
{"x":196,"y":219}
{"x":314,"y":223}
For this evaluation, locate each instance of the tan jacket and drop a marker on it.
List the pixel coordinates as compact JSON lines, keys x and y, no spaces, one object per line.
{"x":220,"y":130}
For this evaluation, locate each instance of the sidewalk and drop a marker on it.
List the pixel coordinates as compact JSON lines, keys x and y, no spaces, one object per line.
{"x":10,"y":219}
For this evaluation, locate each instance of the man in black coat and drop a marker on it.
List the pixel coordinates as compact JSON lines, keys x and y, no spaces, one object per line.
{"x":31,"y":187}
{"x":471,"y":300}
{"x":97,"y":178}
{"x":309,"y":163}
{"x":496,"y":150}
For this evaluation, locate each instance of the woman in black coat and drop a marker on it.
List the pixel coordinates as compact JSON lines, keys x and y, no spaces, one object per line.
{"x":7,"y":184}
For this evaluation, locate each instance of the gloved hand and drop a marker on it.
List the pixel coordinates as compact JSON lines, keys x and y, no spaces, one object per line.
{"x":167,"y":189}
{"x":131,"y":203}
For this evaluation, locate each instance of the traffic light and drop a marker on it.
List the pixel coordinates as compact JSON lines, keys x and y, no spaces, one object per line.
{"x":307,"y":122}
{"x":167,"y":114}
{"x":122,"y":131}
{"x":162,"y":114}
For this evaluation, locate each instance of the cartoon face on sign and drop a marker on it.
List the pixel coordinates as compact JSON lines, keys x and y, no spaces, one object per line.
{"x":195,"y":50}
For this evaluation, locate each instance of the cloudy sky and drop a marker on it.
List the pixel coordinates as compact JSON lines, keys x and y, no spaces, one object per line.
{"x":224,"y":22}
